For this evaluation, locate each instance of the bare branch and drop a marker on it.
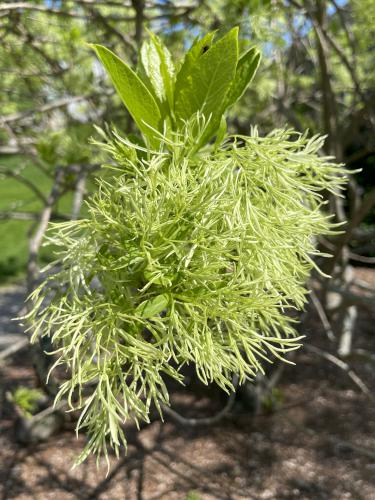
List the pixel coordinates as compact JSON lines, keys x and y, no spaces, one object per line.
{"x":59,"y":103}
{"x":340,"y":52}
{"x":322,"y":315}
{"x":350,"y":297}
{"x":351,"y":255}
{"x":23,"y":180}
{"x":195,"y":422}
{"x":126,"y":40}
{"x":365,"y":207}
{"x":33,"y":216}
{"x":341,"y":364}
{"x":14,"y":348}
{"x":40,"y":8}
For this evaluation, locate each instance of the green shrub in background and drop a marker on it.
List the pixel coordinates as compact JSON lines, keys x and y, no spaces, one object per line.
{"x":193,"y":250}
{"x":27,"y":400}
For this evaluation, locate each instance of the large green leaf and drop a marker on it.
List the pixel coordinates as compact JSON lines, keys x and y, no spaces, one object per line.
{"x":198,"y":48}
{"x":205,"y":77}
{"x":152,"y":307}
{"x":157,"y":64}
{"x":133,"y":92}
{"x":246,"y":69}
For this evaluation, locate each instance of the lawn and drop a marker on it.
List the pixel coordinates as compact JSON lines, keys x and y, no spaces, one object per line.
{"x":16,"y":196}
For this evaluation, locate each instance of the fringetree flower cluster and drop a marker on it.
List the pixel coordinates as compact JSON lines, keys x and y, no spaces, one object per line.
{"x":192,"y":252}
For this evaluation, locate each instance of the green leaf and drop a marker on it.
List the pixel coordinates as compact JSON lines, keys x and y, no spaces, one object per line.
{"x":152,"y":307}
{"x":133,"y":92}
{"x":205,"y":77}
{"x":157,"y":64}
{"x":198,"y":48}
{"x":246,"y":69}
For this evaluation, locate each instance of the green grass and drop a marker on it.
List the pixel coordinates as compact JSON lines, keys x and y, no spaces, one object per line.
{"x":18,"y":197}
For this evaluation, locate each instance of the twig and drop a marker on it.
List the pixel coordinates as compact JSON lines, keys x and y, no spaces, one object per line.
{"x":10,"y":215}
{"x":59,"y":103}
{"x":353,"y":298}
{"x":364,"y":285}
{"x":40,"y":8}
{"x":352,"y":255}
{"x":9,"y":351}
{"x":361,"y":258}
{"x":51,"y":409}
{"x":322,"y":315}
{"x":341,"y":364}
{"x":26,"y":182}
{"x":367,"y":203}
{"x":126,"y":40}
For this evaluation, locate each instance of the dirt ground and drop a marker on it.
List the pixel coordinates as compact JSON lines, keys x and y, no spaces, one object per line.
{"x":319,"y":444}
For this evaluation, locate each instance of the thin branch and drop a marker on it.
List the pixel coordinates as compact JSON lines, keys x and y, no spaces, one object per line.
{"x":39,"y":8}
{"x":33,"y":216}
{"x":195,"y":422}
{"x":361,"y":258}
{"x":363,"y":285}
{"x":104,"y":3}
{"x":126,"y":40}
{"x":14,"y":348}
{"x":44,"y":218}
{"x":352,"y":255}
{"x":23,"y":180}
{"x":322,"y":315}
{"x":59,"y":103}
{"x":27,"y":6}
{"x":349,"y":34}
{"x":367,"y":203}
{"x":341,"y":364}
{"x":350,"y":67}
{"x":353,"y":298}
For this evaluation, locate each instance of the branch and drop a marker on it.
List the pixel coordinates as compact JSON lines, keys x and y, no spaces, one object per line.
{"x":344,"y":366}
{"x":56,"y":191}
{"x":363,"y":235}
{"x":12,"y":349}
{"x":127,"y":41}
{"x":353,"y":298}
{"x":39,"y":8}
{"x":79,"y":193}
{"x":195,"y":422}
{"x":340,"y":52}
{"x":361,"y":258}
{"x":349,"y":34}
{"x":59,"y":103}
{"x":322,"y":315}
{"x":104,"y":3}
{"x":10,"y":215}
{"x":365,"y":207}
{"x":18,"y":177}
{"x":352,"y":255}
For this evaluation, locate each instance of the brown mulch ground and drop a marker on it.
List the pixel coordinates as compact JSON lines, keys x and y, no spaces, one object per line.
{"x":319,"y":444}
